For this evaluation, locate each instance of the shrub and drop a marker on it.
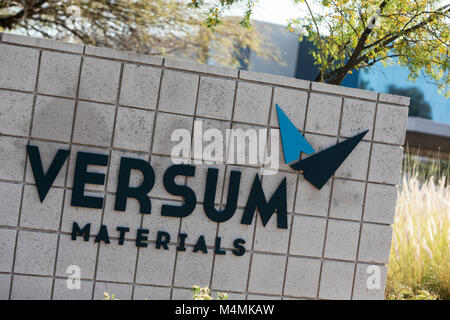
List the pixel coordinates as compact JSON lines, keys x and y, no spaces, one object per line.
{"x":419,"y":262}
{"x":203,"y":293}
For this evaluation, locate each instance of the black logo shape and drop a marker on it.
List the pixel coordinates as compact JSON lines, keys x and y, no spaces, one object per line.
{"x":319,"y":167}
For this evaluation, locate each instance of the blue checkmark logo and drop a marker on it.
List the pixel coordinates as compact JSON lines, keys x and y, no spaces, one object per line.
{"x":319,"y":167}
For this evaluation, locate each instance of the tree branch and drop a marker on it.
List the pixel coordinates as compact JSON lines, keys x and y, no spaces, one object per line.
{"x":319,"y":40}
{"x":8,"y":22}
{"x":359,"y":47}
{"x":385,"y":40}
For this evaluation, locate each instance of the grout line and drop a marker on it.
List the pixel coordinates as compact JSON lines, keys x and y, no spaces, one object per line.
{"x":97,"y":257}
{"x":169,"y":156}
{"x":185,"y":183}
{"x":214,"y":254}
{"x":365,"y":196}
{"x":306,"y":110}
{"x":116,"y":111}
{"x":175,"y":264}
{"x":272,"y":102}
{"x":211,"y":247}
{"x":200,"y":73}
{"x":225,"y":177}
{"x":295,"y":197}
{"x":25,"y":166}
{"x":329,"y":209}
{"x":137,"y":262}
{"x":163,"y":286}
{"x":25,"y":172}
{"x":152,"y":154}
{"x":105,"y":188}
{"x":157,"y":111}
{"x":169,"y":113}
{"x":160,"y":197}
{"x":163,"y":66}
{"x":290,"y":237}
{"x":67,"y":172}
{"x":77,"y":100}
{"x":147,"y":285}
{"x":49,"y":231}
{"x":183,"y":115}
{"x":156,"y":197}
{"x":255,"y":216}
{"x":149,"y":160}
{"x":188,"y":178}
{"x":324,"y":240}
{"x":212,"y":75}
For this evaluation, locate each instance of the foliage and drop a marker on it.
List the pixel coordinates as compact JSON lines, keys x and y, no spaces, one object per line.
{"x":406,"y":293}
{"x":426,"y":169}
{"x":213,"y":14}
{"x":203,"y":293}
{"x":353,"y":34}
{"x":107,"y":296}
{"x":419,"y":266}
{"x":200,"y":293}
{"x":157,"y":27}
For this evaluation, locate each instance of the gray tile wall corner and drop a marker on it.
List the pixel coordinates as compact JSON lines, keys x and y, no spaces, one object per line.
{"x":126,"y":104}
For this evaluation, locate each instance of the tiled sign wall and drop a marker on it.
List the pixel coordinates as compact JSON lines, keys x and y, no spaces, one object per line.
{"x":65,"y":96}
